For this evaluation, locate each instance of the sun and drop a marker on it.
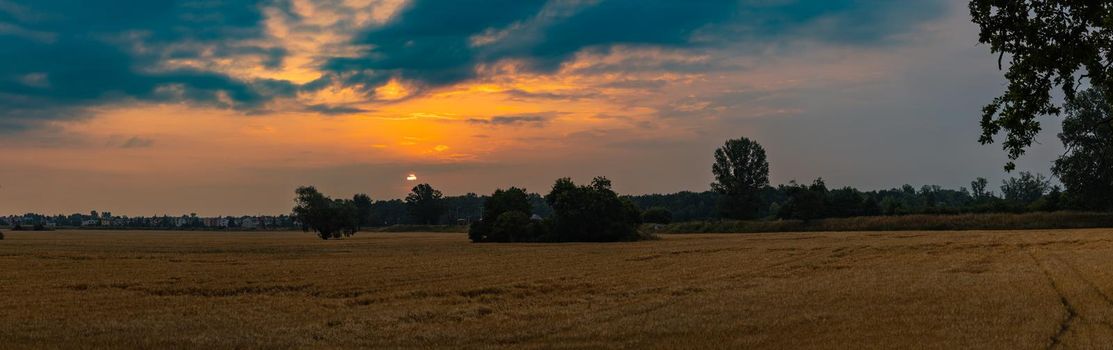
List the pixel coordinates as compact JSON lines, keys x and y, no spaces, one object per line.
{"x":411,"y":177}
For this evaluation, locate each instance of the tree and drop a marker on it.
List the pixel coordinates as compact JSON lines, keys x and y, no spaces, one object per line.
{"x":1086,"y":169}
{"x":978,"y":186}
{"x":592,"y":213}
{"x":1025,"y":189}
{"x":804,"y":202}
{"x":511,"y":226}
{"x":1050,"y":43}
{"x":741,"y":172}
{"x":657,"y":215}
{"x":502,"y":201}
{"x":363,"y":206}
{"x":424,"y":204}
{"x":329,"y":218}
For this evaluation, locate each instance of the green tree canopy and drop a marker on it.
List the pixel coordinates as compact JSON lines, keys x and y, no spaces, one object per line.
{"x":741,"y":172}
{"x":1026,"y":188}
{"x":1049,"y":43}
{"x":1086,"y":170}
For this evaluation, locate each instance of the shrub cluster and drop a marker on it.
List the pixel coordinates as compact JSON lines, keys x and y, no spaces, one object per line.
{"x":592,"y":213}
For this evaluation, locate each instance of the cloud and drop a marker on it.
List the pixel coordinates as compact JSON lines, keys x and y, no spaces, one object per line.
{"x":534,"y":120}
{"x":435,"y":43}
{"x":61,"y":56}
{"x":334,"y":109}
{"x":137,"y":142}
{"x":120,"y":141}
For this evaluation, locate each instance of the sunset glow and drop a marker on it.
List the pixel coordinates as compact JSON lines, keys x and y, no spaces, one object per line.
{"x":347,"y":94}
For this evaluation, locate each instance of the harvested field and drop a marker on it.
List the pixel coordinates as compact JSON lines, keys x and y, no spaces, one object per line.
{"x":911,"y":289}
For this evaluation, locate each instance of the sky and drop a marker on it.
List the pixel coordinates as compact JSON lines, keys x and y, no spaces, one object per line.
{"x":225,"y":107}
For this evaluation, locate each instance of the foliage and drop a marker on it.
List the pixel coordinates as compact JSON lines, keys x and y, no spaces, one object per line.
{"x":1050,"y":43}
{"x":684,"y":206}
{"x":511,"y":226}
{"x":979,"y":191}
{"x":1086,"y":169}
{"x":657,"y":215}
{"x":424,"y":204}
{"x":741,"y":172}
{"x":918,"y":222}
{"x":1025,"y":189}
{"x":502,"y":201}
{"x":363,"y":207}
{"x":329,"y":218}
{"x":804,"y":202}
{"x":592,"y":213}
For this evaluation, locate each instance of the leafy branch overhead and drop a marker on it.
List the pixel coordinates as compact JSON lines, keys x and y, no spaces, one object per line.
{"x":1049,"y":44}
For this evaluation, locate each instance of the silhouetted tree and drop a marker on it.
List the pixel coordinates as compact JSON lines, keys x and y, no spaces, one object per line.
{"x":592,"y":213}
{"x":657,"y":215}
{"x":511,"y":226}
{"x":424,"y":204}
{"x":389,"y":212}
{"x":741,"y":172}
{"x":329,"y":218}
{"x":1049,"y":43}
{"x":979,"y":189}
{"x":363,"y":206}
{"x":502,"y":201}
{"x":1025,"y":189}
{"x":1086,"y":169}
{"x":804,"y":202}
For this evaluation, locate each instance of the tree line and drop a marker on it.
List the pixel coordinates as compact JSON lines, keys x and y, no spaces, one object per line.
{"x":741,"y":191}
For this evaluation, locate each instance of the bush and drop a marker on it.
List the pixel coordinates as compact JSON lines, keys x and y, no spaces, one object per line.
{"x":512,"y":200}
{"x":918,"y":222}
{"x":592,"y":213}
{"x":657,"y":215}
{"x":512,"y":226}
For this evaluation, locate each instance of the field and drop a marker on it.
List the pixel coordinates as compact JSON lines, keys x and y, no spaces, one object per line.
{"x":943,"y":290}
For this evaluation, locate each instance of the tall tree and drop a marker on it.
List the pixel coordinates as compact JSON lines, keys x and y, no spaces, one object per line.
{"x":424,"y":204}
{"x":1086,"y":169}
{"x":1025,"y":189}
{"x":978,"y":186}
{"x":329,"y":218}
{"x":591,"y":213}
{"x":363,"y":205}
{"x":502,"y":201}
{"x":1049,"y":43}
{"x":741,"y":172}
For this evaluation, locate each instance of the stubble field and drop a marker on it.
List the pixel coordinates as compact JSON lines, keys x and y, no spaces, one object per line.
{"x":945,"y":290}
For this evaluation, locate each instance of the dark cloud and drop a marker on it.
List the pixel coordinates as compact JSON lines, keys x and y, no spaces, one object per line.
{"x":518,"y":94}
{"x":536,"y":120}
{"x":335,"y":109}
{"x":442,"y":42}
{"x":137,"y":142}
{"x":86,"y":53}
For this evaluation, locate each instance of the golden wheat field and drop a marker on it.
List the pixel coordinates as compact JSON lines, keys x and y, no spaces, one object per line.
{"x":944,"y":290}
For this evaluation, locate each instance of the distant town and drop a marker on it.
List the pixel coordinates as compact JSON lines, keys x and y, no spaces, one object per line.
{"x":96,"y":219}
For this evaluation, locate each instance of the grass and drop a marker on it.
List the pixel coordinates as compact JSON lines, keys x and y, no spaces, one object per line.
{"x":995,"y":221}
{"x":974,"y":289}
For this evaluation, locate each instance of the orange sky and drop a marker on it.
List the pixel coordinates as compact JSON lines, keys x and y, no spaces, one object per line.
{"x":649,"y":117}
